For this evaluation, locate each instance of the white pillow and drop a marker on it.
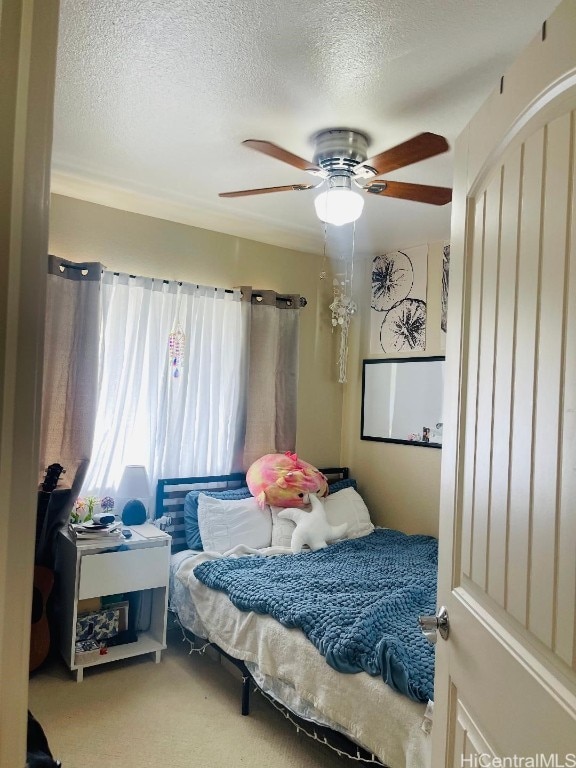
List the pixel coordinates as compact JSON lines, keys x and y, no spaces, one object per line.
{"x":225,"y":523}
{"x":345,"y":506}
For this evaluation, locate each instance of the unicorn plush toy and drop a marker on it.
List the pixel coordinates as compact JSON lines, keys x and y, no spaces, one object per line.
{"x":312,"y":528}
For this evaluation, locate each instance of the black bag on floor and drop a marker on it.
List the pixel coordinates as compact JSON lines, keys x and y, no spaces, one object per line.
{"x":38,"y":753}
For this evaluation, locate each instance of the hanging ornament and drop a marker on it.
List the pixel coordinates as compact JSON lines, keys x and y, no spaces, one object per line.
{"x":342,"y":309}
{"x":342,"y":306}
{"x":176,"y":342}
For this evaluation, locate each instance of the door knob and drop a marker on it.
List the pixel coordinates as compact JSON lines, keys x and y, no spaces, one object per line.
{"x":440,"y":622}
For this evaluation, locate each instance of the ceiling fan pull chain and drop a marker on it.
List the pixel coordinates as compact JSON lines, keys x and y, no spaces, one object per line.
{"x":323,"y":271}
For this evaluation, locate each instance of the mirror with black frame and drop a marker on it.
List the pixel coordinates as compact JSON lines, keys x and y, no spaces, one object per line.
{"x":402,"y":400}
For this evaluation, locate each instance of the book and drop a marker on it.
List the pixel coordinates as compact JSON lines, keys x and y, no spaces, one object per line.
{"x":89,"y":530}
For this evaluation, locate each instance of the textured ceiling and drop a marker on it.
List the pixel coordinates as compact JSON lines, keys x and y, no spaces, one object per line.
{"x":154,"y":98}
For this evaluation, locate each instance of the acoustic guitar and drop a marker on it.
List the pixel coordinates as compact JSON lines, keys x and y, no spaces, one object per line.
{"x":43,"y":576}
{"x":40,"y":629}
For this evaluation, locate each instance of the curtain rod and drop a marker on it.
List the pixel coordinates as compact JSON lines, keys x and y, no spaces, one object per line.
{"x":255,"y":294}
{"x":74,"y":265}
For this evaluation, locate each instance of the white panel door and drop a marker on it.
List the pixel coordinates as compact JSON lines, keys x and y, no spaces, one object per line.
{"x":506,"y":675}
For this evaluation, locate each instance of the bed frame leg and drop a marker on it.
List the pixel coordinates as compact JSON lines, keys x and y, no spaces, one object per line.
{"x":245,"y":695}
{"x":246,"y":677}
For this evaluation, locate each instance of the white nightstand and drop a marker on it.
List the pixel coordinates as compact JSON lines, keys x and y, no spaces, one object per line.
{"x":89,"y":569}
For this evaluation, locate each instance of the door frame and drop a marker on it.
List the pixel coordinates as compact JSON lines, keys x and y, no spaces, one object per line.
{"x":28,"y":42}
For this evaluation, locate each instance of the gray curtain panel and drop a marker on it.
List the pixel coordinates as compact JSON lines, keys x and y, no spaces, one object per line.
{"x":272,"y":379}
{"x":70,"y":383}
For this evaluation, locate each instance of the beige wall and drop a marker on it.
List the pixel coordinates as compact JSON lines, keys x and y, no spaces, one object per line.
{"x":400,"y":483}
{"x":142,"y":245}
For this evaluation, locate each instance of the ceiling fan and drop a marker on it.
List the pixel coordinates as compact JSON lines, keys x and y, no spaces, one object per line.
{"x":340,"y":160}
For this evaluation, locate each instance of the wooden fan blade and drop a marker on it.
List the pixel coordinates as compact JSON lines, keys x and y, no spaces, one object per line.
{"x":273,"y":150}
{"x":265,"y":190}
{"x":418,"y":148}
{"x":420,"y":193}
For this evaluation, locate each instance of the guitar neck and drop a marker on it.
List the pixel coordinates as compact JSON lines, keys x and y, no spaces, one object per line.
{"x":52,"y":476}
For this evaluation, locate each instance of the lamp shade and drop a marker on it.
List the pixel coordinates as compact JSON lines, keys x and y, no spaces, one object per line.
{"x":339,"y":206}
{"x":134,"y":489}
{"x":134,"y":483}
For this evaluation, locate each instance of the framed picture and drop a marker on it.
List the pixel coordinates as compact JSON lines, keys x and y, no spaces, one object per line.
{"x":444,"y":298}
{"x":398,"y":303}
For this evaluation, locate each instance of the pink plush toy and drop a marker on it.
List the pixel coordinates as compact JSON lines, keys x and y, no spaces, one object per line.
{"x":283,"y":480}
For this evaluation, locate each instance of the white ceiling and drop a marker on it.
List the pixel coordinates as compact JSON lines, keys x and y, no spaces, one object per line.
{"x":154,"y":98}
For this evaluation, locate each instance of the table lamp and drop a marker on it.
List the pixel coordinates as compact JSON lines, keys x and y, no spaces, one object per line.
{"x":135,"y":488}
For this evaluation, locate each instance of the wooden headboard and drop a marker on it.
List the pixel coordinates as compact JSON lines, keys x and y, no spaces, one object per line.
{"x":171,"y":492}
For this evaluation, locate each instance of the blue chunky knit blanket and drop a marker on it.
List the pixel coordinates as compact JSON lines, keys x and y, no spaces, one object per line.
{"x":357,"y":601}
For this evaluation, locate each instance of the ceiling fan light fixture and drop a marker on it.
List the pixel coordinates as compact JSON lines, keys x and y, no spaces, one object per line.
{"x":339,"y":204}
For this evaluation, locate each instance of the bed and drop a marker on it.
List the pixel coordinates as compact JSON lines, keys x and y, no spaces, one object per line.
{"x":321,"y":678}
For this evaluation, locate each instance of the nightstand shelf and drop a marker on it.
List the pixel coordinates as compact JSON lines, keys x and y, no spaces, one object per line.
{"x":89,"y":568}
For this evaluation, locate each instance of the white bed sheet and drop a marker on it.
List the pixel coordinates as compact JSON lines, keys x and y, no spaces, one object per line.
{"x":179,"y":599}
{"x":287,"y":665}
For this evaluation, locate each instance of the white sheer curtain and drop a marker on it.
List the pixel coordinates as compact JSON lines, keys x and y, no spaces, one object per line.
{"x":189,"y":425}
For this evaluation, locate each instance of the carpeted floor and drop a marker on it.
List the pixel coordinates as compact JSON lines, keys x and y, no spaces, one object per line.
{"x":181,"y":713}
